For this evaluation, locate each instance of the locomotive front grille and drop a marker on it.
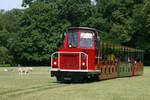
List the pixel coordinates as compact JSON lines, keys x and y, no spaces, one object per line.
{"x":69,"y":61}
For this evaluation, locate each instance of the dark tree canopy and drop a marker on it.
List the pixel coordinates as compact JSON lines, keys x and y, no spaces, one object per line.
{"x":29,"y":36}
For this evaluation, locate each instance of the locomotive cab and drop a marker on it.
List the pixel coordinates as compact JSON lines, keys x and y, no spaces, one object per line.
{"x":79,"y":56}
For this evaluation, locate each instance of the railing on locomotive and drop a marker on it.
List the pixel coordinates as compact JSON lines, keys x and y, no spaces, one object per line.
{"x":58,"y":62}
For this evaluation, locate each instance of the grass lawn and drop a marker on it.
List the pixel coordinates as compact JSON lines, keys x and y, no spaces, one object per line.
{"x":38,"y":85}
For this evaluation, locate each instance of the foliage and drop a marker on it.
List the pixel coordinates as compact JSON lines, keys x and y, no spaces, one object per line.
{"x":76,"y":11}
{"x":9,"y":30}
{"x":5,"y":55}
{"x":40,"y":33}
{"x":29,"y":36}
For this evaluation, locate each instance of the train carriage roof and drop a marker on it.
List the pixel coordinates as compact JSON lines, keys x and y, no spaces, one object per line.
{"x":118,"y":47}
{"x":85,"y":28}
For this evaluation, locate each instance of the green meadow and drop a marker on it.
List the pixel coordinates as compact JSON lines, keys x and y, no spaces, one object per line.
{"x":38,"y":85}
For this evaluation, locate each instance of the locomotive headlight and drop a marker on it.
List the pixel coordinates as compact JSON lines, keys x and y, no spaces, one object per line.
{"x":70,"y":45}
{"x":83,"y":63}
{"x":55,"y":63}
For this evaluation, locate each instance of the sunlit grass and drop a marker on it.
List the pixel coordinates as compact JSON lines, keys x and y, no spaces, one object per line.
{"x":38,"y":85}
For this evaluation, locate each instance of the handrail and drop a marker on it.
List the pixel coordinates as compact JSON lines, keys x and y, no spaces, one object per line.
{"x":58,"y":53}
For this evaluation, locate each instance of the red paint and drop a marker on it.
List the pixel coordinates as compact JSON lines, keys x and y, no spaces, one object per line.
{"x":70,"y":60}
{"x":66,"y":40}
{"x":133,"y":70}
{"x":55,"y":59}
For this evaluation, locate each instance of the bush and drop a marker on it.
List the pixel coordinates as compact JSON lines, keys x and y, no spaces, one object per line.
{"x":5,"y":65}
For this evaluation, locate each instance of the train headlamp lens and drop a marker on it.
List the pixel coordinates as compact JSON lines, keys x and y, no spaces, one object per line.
{"x":55,"y":63}
{"x":83,"y":63}
{"x":70,"y":45}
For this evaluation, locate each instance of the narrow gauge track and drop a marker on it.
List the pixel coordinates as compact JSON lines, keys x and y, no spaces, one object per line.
{"x":33,"y":89}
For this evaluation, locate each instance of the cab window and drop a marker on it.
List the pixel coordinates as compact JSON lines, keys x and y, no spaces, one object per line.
{"x":86,"y":39}
{"x":72,"y":39}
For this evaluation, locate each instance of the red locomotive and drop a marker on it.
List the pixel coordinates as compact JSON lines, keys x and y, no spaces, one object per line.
{"x":84,"y":56}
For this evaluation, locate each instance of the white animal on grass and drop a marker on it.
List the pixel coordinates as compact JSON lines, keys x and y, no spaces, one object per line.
{"x":7,"y":70}
{"x":24,"y":70}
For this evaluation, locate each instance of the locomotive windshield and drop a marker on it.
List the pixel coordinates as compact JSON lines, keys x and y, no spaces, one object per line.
{"x":72,"y":38}
{"x":86,"y":39}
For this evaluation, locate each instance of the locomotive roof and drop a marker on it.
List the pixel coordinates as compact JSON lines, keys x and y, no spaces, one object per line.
{"x":86,"y":28}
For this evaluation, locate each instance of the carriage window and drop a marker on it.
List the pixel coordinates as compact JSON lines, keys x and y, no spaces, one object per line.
{"x":72,"y":39}
{"x":86,"y":39}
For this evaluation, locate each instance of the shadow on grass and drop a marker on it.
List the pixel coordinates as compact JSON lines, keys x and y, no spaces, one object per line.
{"x":92,"y":80}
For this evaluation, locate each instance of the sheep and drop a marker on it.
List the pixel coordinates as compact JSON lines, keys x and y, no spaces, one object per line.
{"x":24,"y":70}
{"x":7,"y":70}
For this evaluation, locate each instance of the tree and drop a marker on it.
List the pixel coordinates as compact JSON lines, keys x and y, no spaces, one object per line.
{"x":26,"y":3}
{"x":9,"y":30}
{"x":141,"y":25}
{"x":76,"y":11}
{"x":29,"y":36}
{"x":118,"y":15}
{"x":40,"y":33}
{"x":5,"y":56}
